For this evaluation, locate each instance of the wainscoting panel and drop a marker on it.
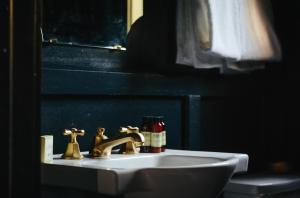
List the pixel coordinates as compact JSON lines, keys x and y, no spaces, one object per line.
{"x":89,"y":112}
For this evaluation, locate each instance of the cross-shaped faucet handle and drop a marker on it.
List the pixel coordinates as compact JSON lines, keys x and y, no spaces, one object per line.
{"x":74,"y":133}
{"x":73,"y":151}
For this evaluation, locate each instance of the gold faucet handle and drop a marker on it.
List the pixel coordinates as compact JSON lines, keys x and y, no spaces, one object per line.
{"x":73,"y":133}
{"x":99,"y":137}
{"x":133,"y":129}
{"x":100,"y":133}
{"x":80,"y":132}
{"x":129,"y":129}
{"x":67,"y":132}
{"x":123,"y":130}
{"x":72,"y":150}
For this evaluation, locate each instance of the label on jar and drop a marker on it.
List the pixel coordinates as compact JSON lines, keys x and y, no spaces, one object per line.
{"x":147,"y":136}
{"x":156,"y":139}
{"x":164,"y":138}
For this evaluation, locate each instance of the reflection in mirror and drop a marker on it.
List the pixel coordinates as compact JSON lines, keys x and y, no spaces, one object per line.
{"x":85,"y":22}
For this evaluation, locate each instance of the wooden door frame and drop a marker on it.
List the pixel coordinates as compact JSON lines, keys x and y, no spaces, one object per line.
{"x":20,"y":44}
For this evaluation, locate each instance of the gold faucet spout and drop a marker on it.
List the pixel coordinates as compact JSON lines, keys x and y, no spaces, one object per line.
{"x":104,"y":147}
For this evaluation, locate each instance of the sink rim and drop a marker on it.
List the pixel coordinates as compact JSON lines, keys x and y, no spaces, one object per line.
{"x":95,"y":163}
{"x":224,"y":161}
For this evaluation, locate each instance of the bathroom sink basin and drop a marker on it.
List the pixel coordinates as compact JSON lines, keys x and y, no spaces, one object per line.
{"x":174,"y":173}
{"x":151,"y":161}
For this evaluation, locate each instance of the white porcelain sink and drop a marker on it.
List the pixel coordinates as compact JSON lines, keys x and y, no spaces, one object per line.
{"x":174,"y":173}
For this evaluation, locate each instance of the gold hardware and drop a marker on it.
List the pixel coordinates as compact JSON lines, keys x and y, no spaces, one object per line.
{"x":128,"y":129}
{"x":129,"y":136}
{"x":73,"y":151}
{"x":100,"y":135}
{"x":125,"y":148}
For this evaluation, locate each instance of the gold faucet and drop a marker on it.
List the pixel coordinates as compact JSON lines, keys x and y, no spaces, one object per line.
{"x":73,"y":151}
{"x":103,"y":145}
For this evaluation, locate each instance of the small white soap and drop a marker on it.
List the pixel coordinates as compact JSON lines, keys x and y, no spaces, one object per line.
{"x":47,"y":148}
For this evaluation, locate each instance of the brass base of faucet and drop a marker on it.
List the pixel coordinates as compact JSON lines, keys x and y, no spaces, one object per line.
{"x":72,"y":152}
{"x":130,"y":139}
{"x":129,"y":148}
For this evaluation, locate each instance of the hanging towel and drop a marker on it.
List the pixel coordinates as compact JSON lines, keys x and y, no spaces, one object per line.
{"x":242,"y":30}
{"x":209,"y":31}
{"x":194,"y":36}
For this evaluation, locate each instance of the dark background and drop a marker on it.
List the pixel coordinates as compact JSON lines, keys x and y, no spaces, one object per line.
{"x":249,"y":113}
{"x":204,"y":110}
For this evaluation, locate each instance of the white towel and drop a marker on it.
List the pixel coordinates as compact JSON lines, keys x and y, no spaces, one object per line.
{"x":209,"y":31}
{"x":193,"y":35}
{"x":241,"y":30}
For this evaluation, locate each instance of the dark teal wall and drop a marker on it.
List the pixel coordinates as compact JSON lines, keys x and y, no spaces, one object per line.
{"x":208,"y":111}
{"x":111,"y":112}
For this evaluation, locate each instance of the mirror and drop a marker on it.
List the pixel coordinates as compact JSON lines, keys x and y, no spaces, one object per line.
{"x":89,"y":22}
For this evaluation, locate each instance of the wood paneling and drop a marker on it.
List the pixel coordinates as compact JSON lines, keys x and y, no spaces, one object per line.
{"x":22,"y":69}
{"x":91,"y":111}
